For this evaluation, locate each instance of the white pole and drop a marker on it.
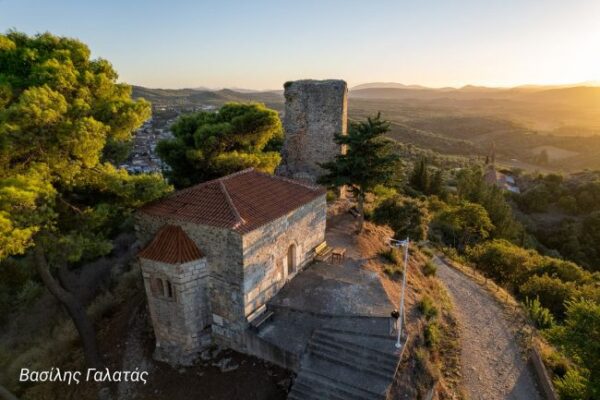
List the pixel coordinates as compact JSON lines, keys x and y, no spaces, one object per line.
{"x":398,"y":345}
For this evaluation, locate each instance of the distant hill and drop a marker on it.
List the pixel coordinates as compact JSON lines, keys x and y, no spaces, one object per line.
{"x":195,"y":97}
{"x":580,"y":95}
{"x":388,"y":85}
{"x":464,"y":121}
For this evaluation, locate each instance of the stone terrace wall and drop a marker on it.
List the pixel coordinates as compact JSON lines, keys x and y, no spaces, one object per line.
{"x":266,"y":248}
{"x":314,"y":112}
{"x":178,"y":320}
{"x":223,"y":250}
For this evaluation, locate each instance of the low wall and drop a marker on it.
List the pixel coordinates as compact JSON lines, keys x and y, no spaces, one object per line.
{"x":256,"y":346}
{"x":542,"y":376}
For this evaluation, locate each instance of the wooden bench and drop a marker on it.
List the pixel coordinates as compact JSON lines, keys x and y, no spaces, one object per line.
{"x":323,"y":252}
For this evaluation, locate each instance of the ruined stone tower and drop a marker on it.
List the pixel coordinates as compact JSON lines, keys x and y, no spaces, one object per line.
{"x":314,"y":112}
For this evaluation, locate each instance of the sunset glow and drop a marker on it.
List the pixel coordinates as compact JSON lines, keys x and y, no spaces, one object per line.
{"x":435,"y":43}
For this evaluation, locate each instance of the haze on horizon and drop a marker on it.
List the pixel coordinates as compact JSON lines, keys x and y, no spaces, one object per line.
{"x":260,"y":45}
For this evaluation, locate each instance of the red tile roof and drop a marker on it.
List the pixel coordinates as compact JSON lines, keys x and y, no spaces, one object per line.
{"x":171,"y":245}
{"x":242,"y":201}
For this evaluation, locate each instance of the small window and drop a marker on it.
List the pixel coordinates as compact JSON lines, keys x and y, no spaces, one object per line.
{"x":169,"y":293}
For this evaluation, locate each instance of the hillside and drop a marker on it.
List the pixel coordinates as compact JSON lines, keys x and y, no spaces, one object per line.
{"x":521,"y":122}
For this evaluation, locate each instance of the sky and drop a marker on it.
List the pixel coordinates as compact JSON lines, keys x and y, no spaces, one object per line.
{"x":261,"y":44}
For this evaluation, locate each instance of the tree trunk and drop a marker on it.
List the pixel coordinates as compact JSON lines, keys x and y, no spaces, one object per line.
{"x":361,"y":214}
{"x":74,"y":308}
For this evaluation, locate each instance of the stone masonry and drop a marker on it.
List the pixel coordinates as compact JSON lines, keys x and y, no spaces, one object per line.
{"x":179,"y":313}
{"x":242,"y":265}
{"x":267,"y":251}
{"x":314,"y":112}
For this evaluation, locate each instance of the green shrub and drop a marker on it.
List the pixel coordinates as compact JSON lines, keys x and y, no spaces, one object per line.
{"x":427,"y":252}
{"x":429,"y":268}
{"x":102,"y":305}
{"x":572,"y":386}
{"x":504,"y":262}
{"x":557,"y":363}
{"x":427,"y":307}
{"x":432,"y":335}
{"x":393,"y":271}
{"x":406,"y":216}
{"x":391,"y":255}
{"x":331,"y":196}
{"x":551,"y":292}
{"x":540,"y":315}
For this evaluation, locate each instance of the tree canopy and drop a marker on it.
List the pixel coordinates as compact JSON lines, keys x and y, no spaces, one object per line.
{"x":368,"y":160}
{"x":208,"y":145}
{"x":59,"y":112}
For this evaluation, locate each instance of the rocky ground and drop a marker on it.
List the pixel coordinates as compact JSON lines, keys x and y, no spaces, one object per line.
{"x":493,"y":365}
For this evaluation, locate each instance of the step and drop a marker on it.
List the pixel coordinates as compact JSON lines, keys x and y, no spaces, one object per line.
{"x":362,"y":360}
{"x":371,"y":370}
{"x":360,"y":330}
{"x":331,"y":389}
{"x":301,"y":393}
{"x":357,"y":350}
{"x":345,"y":387}
{"x":383,"y":347}
{"x":321,"y":391}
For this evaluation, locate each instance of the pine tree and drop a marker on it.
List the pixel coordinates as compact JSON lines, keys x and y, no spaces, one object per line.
{"x":369,"y":161}
{"x":419,"y":178}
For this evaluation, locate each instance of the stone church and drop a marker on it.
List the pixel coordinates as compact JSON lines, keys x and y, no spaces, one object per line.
{"x":215,"y":253}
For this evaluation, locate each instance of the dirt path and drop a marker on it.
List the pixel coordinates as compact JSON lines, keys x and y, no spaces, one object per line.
{"x":492,"y":365}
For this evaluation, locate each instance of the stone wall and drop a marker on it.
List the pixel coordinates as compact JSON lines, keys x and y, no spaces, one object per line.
{"x":266,"y":251}
{"x":178,"y":302}
{"x":223,"y":250}
{"x":314,"y":112}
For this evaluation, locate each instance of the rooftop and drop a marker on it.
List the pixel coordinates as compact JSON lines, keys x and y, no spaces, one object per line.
{"x":171,"y":245}
{"x":242,"y":201}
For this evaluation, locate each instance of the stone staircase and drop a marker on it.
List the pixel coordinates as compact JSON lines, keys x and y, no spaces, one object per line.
{"x":346,"y":364}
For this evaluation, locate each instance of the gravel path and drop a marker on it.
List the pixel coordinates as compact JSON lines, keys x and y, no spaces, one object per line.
{"x":492,"y":365}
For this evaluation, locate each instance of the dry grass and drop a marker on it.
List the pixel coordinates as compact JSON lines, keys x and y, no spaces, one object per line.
{"x":423,"y":366}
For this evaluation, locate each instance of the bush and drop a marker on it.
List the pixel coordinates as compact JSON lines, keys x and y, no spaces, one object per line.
{"x":331,"y":196}
{"x":102,"y":306}
{"x":432,"y":335}
{"x":572,"y":386}
{"x":579,"y":337}
{"x":429,"y":268}
{"x":541,"y":316}
{"x":406,"y":216}
{"x":504,"y":262}
{"x":551,"y":292}
{"x":427,"y":252}
{"x":392,"y":255}
{"x":428,"y":308}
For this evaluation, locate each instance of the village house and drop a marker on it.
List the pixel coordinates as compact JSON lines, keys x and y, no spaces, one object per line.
{"x":216,"y":252}
{"x":504,"y":181}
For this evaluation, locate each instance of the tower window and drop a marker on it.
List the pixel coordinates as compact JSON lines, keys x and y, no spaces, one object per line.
{"x":169,"y":292}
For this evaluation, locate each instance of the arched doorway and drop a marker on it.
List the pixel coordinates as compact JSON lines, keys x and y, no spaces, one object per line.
{"x":291,"y":259}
